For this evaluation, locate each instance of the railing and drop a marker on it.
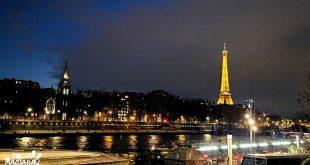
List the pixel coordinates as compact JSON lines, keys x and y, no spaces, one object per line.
{"x":215,"y":146}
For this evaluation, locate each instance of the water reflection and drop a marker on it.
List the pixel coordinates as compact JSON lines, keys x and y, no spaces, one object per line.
{"x":32,"y":142}
{"x":55,"y":142}
{"x":133,"y":141}
{"x":81,"y":142}
{"x":41,"y":142}
{"x":207,"y":137}
{"x":108,"y":142}
{"x":153,"y":141}
{"x":181,"y":139}
{"x":24,"y":142}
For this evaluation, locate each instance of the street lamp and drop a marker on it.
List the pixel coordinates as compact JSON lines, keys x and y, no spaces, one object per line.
{"x":251,"y":122}
{"x":29,"y":109}
{"x":208,"y":118}
{"x":254,"y":128}
{"x":247,"y":116}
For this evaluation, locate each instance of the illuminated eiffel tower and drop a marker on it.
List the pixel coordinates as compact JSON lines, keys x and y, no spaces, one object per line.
{"x":225,"y":95}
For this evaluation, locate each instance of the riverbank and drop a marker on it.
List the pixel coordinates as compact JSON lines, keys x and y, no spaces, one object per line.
{"x":94,"y":132}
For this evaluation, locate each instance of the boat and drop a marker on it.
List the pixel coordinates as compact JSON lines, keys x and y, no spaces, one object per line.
{"x":185,"y":155}
{"x":172,"y":155}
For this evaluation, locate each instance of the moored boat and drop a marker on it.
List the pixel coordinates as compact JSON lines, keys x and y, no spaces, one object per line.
{"x":185,"y":155}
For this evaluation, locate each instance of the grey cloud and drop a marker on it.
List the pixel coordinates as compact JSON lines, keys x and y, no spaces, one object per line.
{"x":178,"y":48}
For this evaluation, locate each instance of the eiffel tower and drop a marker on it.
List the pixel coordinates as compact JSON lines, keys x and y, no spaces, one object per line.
{"x":225,"y":95}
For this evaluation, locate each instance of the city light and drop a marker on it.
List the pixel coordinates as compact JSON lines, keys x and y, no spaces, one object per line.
{"x":132,"y":118}
{"x":245,"y":145}
{"x":251,"y":122}
{"x":29,"y":109}
{"x":254,"y":128}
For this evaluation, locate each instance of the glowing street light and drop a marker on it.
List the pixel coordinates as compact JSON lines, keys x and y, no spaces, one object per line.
{"x":251,"y":122}
{"x":29,"y":109}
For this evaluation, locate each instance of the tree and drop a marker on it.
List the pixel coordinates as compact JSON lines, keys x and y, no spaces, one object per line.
{"x":304,"y":93}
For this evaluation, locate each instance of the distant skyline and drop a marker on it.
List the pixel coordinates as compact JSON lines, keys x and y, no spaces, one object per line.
{"x":173,"y":45}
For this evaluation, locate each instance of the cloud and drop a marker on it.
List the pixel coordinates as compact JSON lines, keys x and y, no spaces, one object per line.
{"x":176,"y":46}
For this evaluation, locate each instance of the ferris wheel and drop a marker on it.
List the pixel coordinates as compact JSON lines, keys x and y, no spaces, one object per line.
{"x":50,"y":106}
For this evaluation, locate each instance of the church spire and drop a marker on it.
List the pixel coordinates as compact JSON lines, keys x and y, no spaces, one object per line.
{"x":65,"y":74}
{"x":64,"y":85}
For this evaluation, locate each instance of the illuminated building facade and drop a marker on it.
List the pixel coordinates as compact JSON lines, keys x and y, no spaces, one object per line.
{"x":123,"y":111}
{"x":225,"y":95}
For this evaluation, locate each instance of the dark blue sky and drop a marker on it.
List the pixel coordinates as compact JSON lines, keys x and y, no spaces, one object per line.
{"x":170,"y":45}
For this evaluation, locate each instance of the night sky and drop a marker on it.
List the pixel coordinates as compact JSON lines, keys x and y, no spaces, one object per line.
{"x":171,"y":45}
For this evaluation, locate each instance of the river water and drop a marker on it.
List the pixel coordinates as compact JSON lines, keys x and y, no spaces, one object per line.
{"x":128,"y":146}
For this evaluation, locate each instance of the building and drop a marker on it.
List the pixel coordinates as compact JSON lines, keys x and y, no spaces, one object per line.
{"x":63,"y":96}
{"x":225,"y":95}
{"x":19,"y":98}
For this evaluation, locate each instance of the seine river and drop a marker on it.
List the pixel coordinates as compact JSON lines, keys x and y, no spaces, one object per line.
{"x":128,"y":146}
{"x":107,"y":143}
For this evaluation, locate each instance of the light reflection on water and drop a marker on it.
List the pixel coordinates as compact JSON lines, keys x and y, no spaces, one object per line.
{"x":56,"y":141}
{"x":181,"y":139}
{"x":33,"y":142}
{"x":133,"y":141}
{"x":24,"y":142}
{"x":98,"y":143}
{"x":82,"y":142}
{"x":153,"y":141}
{"x":108,"y":142}
{"x":105,"y":143}
{"x":207,"y":137}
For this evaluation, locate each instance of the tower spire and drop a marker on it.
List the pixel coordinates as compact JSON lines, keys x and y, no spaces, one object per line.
{"x":225,"y":95}
{"x":64,"y":84}
{"x":65,"y":74}
{"x":66,"y":65}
